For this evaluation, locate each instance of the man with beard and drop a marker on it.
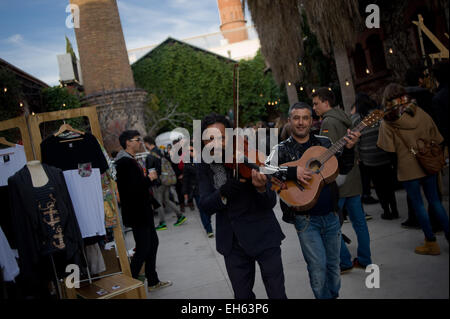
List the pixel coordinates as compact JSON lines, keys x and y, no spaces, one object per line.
{"x":319,"y":228}
{"x":247,"y":230}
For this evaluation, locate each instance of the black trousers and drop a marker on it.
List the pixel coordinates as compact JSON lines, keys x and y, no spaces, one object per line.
{"x":146,"y":248}
{"x":241,"y":271}
{"x":383,"y":177}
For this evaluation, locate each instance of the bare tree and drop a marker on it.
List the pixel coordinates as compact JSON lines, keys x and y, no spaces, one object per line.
{"x":158,"y":116}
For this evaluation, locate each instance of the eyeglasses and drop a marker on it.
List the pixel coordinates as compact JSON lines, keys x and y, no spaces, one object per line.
{"x":137,"y":139}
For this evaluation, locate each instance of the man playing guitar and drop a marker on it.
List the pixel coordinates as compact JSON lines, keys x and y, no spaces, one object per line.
{"x":318,"y":228}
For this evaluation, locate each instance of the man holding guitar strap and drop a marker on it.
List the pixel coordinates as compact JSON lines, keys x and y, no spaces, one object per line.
{"x":318,"y":228}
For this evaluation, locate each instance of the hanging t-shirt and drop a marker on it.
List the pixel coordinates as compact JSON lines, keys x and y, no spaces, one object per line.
{"x":12,"y":159}
{"x":8,"y":262}
{"x":66,"y":155}
{"x":87,"y":199}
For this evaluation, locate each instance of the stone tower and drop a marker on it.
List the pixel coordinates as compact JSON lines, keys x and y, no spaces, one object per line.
{"x":107,"y":76}
{"x":232,"y":17}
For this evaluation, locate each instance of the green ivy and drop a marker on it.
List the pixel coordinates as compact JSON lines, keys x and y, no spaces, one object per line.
{"x":202,"y":83}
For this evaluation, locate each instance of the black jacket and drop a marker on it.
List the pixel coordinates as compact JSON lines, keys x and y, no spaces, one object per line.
{"x":440,"y":109}
{"x":190,"y":179}
{"x":134,"y":191}
{"x":249,"y":216}
{"x":153,"y":160}
{"x":289,"y":150}
{"x":28,"y":225}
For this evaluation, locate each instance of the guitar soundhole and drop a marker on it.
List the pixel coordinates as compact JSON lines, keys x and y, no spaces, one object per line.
{"x":315,"y":165}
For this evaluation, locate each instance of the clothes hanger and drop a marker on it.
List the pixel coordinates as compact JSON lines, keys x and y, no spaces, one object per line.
{"x":67,"y":127}
{"x":5,"y":142}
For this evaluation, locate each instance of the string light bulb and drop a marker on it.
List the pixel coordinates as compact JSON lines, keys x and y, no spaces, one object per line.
{"x":347,"y":83}
{"x":276,"y":102}
{"x":301,"y":88}
{"x":33,"y":113}
{"x":21,"y":104}
{"x":314,"y":90}
{"x":329,"y":89}
{"x":391,"y":51}
{"x":289,"y":83}
{"x":367,"y":71}
{"x":5,"y":89}
{"x":299,"y":63}
{"x":64,"y":104}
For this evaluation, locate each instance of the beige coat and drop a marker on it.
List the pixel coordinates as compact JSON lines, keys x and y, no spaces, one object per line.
{"x":411,"y":128}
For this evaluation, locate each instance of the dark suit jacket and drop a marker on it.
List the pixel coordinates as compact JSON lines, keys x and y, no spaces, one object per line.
{"x":249,"y":216}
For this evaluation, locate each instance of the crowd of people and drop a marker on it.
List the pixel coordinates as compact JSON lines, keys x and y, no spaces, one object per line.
{"x":247,"y":230}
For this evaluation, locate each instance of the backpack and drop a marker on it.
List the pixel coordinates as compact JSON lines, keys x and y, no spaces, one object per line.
{"x":168,"y":176}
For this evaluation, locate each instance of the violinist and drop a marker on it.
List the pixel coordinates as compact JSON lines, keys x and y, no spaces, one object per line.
{"x":247,"y":230}
{"x":319,"y":228}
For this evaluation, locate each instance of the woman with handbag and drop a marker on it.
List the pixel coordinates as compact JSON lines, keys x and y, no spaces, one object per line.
{"x":411,"y":133}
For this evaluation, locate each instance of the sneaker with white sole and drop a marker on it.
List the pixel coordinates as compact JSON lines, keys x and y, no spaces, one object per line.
{"x":160,"y":284}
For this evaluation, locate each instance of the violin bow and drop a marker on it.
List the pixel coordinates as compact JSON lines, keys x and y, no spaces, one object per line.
{"x":236,"y":112}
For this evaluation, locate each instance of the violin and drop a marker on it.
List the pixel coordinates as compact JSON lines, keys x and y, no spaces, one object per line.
{"x":246,"y":158}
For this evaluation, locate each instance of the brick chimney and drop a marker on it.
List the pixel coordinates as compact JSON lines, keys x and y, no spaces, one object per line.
{"x":232,"y":17}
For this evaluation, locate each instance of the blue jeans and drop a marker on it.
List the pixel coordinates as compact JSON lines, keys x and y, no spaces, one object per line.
{"x":206,"y":219}
{"x":320,"y":238}
{"x":358,"y":219}
{"x":429,"y":185}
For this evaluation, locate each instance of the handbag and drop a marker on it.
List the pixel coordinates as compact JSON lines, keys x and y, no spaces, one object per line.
{"x":429,"y":154}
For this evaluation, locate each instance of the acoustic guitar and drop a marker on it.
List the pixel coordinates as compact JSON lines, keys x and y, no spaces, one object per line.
{"x":324,"y":164}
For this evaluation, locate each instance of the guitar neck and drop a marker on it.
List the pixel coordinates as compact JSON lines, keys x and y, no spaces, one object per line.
{"x":339,"y":145}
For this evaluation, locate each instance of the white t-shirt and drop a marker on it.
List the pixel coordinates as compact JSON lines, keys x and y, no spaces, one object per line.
{"x":12,"y":159}
{"x":8,"y":262}
{"x":87,"y":199}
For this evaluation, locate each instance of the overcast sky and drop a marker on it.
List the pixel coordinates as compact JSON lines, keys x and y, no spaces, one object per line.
{"x":32,"y":31}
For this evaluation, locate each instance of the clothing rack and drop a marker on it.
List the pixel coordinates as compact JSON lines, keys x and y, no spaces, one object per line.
{"x":32,"y":138}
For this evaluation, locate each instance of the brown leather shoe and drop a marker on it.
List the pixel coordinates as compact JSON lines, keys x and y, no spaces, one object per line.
{"x":429,"y":248}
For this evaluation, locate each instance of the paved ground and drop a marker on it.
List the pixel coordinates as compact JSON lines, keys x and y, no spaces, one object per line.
{"x":189,"y":259}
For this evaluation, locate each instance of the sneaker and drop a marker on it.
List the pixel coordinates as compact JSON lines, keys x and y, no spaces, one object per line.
{"x":409,"y":224}
{"x":160,"y":284}
{"x":369,"y":200}
{"x":161,"y":227}
{"x":356,"y":264}
{"x":345,"y":270}
{"x":210,"y":235}
{"x":180,"y":220}
{"x":141,"y":278}
{"x":368,"y":217}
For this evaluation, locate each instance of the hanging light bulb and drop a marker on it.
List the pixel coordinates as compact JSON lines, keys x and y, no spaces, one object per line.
{"x":5,"y":89}
{"x":301,"y":88}
{"x":289,"y":83}
{"x":347,"y":83}
{"x":64,"y":104}
{"x":314,"y":90}
{"x":391,"y":51}
{"x":329,"y":89}
{"x":33,"y":113}
{"x":299,"y":63}
{"x":367,"y":71}
{"x":276,"y":102}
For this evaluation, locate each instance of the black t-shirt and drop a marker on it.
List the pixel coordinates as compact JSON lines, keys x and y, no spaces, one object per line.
{"x":67,"y":155}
